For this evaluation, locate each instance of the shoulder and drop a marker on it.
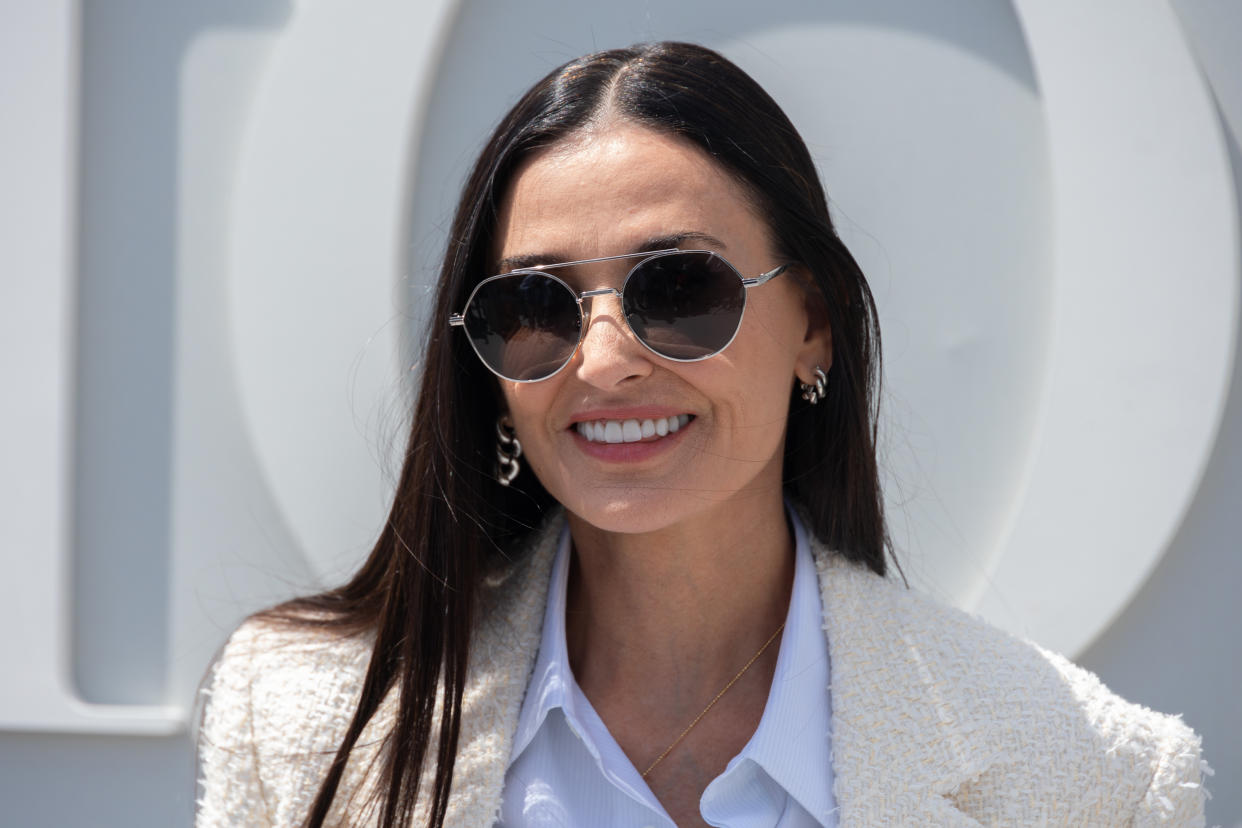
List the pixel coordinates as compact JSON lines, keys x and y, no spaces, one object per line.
{"x":284,"y":672}
{"x":278,"y":701}
{"x":1020,"y":721}
{"x":280,"y":698}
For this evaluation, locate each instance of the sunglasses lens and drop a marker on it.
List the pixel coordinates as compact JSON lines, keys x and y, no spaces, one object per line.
{"x":524,"y":326}
{"x":685,"y":306}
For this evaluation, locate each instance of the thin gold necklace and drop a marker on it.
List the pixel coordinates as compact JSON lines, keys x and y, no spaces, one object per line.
{"x":712,"y":703}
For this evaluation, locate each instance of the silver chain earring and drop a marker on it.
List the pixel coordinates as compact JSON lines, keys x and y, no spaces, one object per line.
{"x":814,"y":392}
{"x":508,"y":450}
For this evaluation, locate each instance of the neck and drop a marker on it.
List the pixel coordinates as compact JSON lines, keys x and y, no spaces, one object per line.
{"x":677,"y":608}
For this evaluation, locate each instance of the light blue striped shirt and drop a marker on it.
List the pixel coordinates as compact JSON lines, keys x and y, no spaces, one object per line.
{"x":567,"y":770}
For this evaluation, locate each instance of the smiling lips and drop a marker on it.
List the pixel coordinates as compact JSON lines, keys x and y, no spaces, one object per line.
{"x":632,"y":430}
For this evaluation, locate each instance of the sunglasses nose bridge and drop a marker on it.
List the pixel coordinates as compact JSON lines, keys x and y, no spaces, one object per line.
{"x":601,"y":304}
{"x":590,"y":294}
{"x":589,"y":308}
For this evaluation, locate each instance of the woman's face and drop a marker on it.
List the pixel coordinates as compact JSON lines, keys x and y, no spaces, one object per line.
{"x":620,"y":190}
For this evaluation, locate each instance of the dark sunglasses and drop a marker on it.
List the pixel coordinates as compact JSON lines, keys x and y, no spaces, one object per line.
{"x":683,"y":305}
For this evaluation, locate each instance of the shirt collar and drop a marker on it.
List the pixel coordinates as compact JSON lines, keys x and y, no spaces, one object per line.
{"x":550,"y":682}
{"x":792,"y":743}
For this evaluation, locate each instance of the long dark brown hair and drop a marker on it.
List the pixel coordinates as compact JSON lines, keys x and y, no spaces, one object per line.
{"x":451,"y":522}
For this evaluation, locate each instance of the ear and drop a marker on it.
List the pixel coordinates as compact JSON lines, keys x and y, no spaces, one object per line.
{"x":816,"y":349}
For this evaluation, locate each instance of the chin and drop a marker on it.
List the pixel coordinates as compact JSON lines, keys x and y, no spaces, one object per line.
{"x":634,"y":512}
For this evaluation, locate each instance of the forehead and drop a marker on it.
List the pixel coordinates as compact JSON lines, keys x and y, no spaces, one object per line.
{"x":609,"y":191}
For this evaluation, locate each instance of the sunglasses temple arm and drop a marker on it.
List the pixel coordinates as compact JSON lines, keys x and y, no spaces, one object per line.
{"x":456,"y":320}
{"x":765,"y":277}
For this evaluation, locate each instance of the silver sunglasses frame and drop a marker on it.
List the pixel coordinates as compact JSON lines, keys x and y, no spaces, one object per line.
{"x":458,"y":320}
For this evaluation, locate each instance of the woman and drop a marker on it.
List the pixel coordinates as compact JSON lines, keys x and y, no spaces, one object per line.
{"x":634,"y":569}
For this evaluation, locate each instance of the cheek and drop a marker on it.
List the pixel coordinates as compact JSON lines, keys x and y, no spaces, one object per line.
{"x":528,"y":405}
{"x":763,"y":363}
{"x":750,"y":401}
{"x":522,"y":403}
{"x":759,"y":416}
{"x":778,"y":311}
{"x":768,"y":346}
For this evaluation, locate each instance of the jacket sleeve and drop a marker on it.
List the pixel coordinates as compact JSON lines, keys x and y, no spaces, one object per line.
{"x":1176,"y":794}
{"x":231,"y":790}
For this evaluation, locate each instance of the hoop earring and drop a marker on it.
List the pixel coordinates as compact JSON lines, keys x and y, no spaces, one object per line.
{"x":814,"y":392}
{"x":508,"y":450}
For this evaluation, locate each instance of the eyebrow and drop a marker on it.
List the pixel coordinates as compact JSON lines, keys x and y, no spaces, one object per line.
{"x":665,"y":242}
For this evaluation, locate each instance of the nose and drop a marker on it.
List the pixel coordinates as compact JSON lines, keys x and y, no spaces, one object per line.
{"x":609,"y":354}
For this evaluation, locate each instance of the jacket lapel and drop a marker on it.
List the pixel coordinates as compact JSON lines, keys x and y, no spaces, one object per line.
{"x":501,"y":659}
{"x":903,"y":738}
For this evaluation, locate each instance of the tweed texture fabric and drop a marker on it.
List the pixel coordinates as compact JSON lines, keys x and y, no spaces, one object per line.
{"x":938,"y":719}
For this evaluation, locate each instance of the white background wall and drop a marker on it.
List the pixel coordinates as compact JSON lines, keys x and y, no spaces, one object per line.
{"x":220,"y":220}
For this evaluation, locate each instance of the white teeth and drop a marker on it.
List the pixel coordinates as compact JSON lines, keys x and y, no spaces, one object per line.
{"x":631,"y":431}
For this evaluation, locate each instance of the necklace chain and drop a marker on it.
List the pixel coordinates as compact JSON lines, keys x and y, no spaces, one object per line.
{"x":712,"y":703}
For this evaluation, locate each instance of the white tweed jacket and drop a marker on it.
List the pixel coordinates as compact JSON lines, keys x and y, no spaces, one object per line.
{"x":938,"y":719}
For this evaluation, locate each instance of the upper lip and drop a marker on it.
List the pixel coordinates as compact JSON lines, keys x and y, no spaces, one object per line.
{"x":636,"y":412}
